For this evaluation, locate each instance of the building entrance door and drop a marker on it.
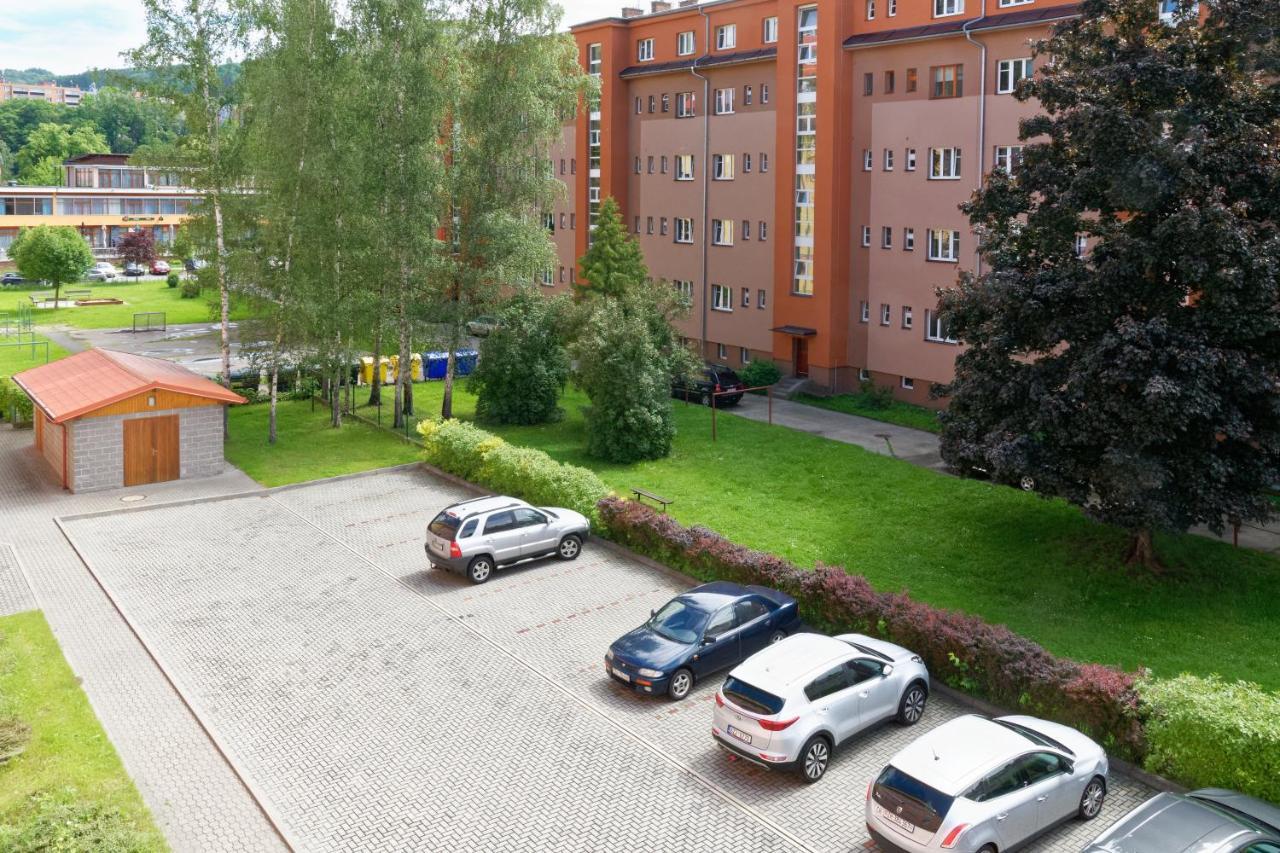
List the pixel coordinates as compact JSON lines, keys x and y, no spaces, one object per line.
{"x":800,"y":356}
{"x":151,"y":450}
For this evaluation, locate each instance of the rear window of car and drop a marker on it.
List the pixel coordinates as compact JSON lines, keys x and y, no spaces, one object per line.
{"x":445,"y":525}
{"x":750,"y":697}
{"x":911,"y":787}
{"x":725,"y":376}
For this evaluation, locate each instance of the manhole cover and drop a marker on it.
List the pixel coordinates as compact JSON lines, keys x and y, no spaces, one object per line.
{"x":133,"y":498}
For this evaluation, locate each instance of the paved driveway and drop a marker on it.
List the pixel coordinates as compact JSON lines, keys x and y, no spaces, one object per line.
{"x":374,"y":704}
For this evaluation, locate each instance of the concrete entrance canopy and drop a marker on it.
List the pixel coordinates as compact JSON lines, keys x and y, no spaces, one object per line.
{"x":82,"y":403}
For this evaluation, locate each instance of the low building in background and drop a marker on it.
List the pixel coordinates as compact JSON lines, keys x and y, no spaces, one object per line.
{"x":50,"y":92}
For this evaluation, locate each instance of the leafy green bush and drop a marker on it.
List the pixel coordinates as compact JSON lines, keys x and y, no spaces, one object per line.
{"x":64,"y":822}
{"x":1206,"y":732}
{"x":523,"y":365}
{"x":7,"y":390}
{"x":877,"y":396}
{"x":473,"y":454}
{"x":18,"y":405}
{"x":305,"y":388}
{"x":190,"y":289}
{"x":760,"y":372}
{"x":172,"y":279}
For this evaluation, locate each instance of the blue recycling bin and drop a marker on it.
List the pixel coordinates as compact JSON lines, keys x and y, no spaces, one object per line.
{"x":466,"y":362}
{"x":436,"y":363}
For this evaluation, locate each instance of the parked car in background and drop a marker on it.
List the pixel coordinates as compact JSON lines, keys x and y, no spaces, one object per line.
{"x":12,"y":278}
{"x":1211,"y":820}
{"x":134,"y":270}
{"x":981,"y":785}
{"x":194,"y":264}
{"x":707,"y":629}
{"x":793,"y":704}
{"x":479,"y":536}
{"x":102,"y":271}
{"x":482,"y":326}
{"x":713,"y":378}
{"x":159,"y":267}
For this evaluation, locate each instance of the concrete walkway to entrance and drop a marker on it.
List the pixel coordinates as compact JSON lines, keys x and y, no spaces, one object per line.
{"x":921,"y":448}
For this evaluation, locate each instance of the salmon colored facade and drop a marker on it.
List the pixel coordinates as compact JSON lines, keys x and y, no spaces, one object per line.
{"x":796,"y":169}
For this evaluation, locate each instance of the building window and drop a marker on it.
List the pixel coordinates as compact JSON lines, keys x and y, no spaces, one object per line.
{"x":764,"y":162}
{"x":562,"y":275}
{"x":888,"y":159}
{"x":1081,"y":245}
{"x":908,"y":384}
{"x":864,"y":311}
{"x":684,"y":167}
{"x":866,"y":235}
{"x":911,"y":159}
{"x":764,"y":93}
{"x":549,"y":222}
{"x":868,"y":83}
{"x":886,"y":237}
{"x":1171,"y":9}
{"x":721,"y":352}
{"x":648,"y":225}
{"x":936,"y":329}
{"x":889,"y":82}
{"x":644,"y":50}
{"x":562,"y":165}
{"x":726,"y":37}
{"x":573,"y":166}
{"x":685,"y":43}
{"x":650,"y":164}
{"x":864,"y":375}
{"x":871,"y":10}
{"x":548,"y":277}
{"x":912,"y":79}
{"x":892,"y":8}
{"x":639,"y":105}
{"x":746,"y":163}
{"x":724,"y":101}
{"x":867,"y":160}
{"x":573,"y":221}
{"x":944,"y":164}
{"x":562,"y":221}
{"x":722,"y":232}
{"x":637,"y":224}
{"x":662,"y":226}
{"x":907,"y":318}
{"x":908,"y":239}
{"x":684,"y":229}
{"x":685,"y":289}
{"x":762,"y":230}
{"x":666,"y":102}
{"x":686,"y":105}
{"x":1008,"y":158}
{"x":722,"y":167}
{"x":746,"y":231}
{"x":1004,"y":4}
{"x":652,"y":102}
{"x":573,"y":275}
{"x":944,"y":245}
{"x":637,"y":166}
{"x":746,"y":297}
{"x":770,"y":30}
{"x":948,"y":81}
{"x":886,"y":313}
{"x":746,"y":96}
{"x":761,"y":297}
{"x":721,"y":298}
{"x":664,"y":164}
{"x":595,"y":60}
{"x":943,"y":8}
{"x":744,"y":355}
{"x":1009,"y":72}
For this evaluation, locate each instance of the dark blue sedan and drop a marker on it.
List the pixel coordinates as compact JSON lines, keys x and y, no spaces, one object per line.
{"x":710,"y":628}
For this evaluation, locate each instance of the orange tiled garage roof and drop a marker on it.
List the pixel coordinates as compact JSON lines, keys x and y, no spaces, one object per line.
{"x":95,"y":378}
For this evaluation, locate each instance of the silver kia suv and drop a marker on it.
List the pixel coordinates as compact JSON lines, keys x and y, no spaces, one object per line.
{"x":481,"y":535}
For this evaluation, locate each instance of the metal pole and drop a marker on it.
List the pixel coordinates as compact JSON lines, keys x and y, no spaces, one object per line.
{"x":713,"y":416}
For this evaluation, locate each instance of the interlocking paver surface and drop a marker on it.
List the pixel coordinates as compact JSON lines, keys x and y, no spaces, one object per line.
{"x":15,"y":594}
{"x":377,"y":704}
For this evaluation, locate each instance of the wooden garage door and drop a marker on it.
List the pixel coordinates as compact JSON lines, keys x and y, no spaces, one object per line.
{"x":151,"y":450}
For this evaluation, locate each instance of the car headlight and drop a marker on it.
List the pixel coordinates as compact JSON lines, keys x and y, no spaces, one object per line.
{"x":650,"y":673}
{"x":608,"y":655}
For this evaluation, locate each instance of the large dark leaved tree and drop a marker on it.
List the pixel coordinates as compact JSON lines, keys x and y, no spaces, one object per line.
{"x":1135,"y":376}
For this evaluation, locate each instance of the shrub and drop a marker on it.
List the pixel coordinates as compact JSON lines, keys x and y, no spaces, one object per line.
{"x":877,"y":396}
{"x":454,"y":446}
{"x":190,"y":288}
{"x":523,"y":364}
{"x":18,"y":406}
{"x":7,"y":389}
{"x":65,"y":822}
{"x":172,"y":279}
{"x":760,"y":372}
{"x":305,"y":388}
{"x":1210,"y":732}
{"x":960,"y":650}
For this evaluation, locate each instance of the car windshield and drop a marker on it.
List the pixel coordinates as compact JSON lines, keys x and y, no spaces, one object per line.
{"x":445,"y":525}
{"x":727,"y":376}
{"x":679,"y":622}
{"x":752,"y":698}
{"x":1032,"y":735}
{"x":913,"y":789}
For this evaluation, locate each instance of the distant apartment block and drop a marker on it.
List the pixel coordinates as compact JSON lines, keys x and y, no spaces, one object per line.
{"x":51,"y":92}
{"x":796,"y":169}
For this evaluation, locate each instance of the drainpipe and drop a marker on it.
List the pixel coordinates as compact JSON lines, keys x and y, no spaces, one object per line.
{"x":706,"y":170}
{"x":982,"y":108}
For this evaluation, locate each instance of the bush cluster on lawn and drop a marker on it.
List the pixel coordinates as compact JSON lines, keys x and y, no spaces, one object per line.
{"x":759,"y":372}
{"x":172,"y":279}
{"x":63,"y":821}
{"x":1210,"y":732}
{"x":481,"y":457}
{"x":190,"y":289}
{"x":962,"y":651}
{"x":14,"y":401}
{"x":523,"y":364}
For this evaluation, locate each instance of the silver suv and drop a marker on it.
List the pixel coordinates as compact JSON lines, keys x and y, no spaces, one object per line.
{"x":793,"y":703}
{"x":476,"y":537}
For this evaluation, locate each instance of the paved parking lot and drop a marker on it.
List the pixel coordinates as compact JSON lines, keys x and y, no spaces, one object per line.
{"x":372,"y":703}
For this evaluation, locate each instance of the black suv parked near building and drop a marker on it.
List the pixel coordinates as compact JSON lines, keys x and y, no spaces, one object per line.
{"x":714,"y":378}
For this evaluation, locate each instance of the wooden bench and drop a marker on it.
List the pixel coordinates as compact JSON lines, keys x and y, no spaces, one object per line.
{"x":642,"y":493}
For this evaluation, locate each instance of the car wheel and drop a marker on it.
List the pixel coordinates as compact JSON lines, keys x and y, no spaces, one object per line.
{"x":911,"y":708}
{"x":706,"y":398}
{"x":1091,"y":800}
{"x":814,"y":759}
{"x":777,"y":636}
{"x":990,"y":848}
{"x":480,"y":570}
{"x":570,"y":548}
{"x":1028,"y":484}
{"x":681,"y":684}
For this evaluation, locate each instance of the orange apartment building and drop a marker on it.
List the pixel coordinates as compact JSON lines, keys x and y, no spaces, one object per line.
{"x":795,"y":168}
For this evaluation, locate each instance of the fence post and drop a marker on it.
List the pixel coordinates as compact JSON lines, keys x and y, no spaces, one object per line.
{"x":769,"y":393}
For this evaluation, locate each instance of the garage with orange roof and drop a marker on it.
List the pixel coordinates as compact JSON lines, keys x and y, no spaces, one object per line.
{"x":106,"y":419}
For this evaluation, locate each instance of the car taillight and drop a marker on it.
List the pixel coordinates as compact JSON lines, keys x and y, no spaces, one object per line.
{"x":953,"y":836}
{"x":719,"y":700}
{"x":776,"y":725}
{"x":454,"y":550}
{"x":717,"y":387}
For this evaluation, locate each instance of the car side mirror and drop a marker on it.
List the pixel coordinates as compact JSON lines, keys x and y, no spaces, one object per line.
{"x":653,"y":613}
{"x":709,"y":639}
{"x":887,"y":671}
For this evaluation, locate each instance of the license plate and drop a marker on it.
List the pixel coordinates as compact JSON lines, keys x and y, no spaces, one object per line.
{"x":622,"y":675}
{"x":894,"y":819}
{"x":739,"y":734}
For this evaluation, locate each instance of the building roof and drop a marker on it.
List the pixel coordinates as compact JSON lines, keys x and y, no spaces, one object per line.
{"x":1021,"y":18}
{"x":705,"y":61}
{"x":102,"y":159}
{"x":89,"y":380}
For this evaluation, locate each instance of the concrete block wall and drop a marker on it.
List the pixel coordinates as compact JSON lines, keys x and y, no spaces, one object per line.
{"x":200,"y":441}
{"x":96,"y":447}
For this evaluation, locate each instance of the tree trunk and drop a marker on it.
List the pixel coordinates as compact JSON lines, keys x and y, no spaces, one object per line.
{"x":1142,"y":551}
{"x":446,"y":406}
{"x":375,"y":389}
{"x":335,"y":404}
{"x":271,"y":418}
{"x":405,"y":375}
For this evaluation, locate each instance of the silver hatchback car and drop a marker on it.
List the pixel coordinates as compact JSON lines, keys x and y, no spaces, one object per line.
{"x":478,"y":536}
{"x":794,"y":702}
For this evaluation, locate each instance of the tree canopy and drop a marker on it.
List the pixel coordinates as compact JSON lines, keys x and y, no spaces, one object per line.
{"x":53,"y":253}
{"x":614,"y":261}
{"x":1123,"y":342}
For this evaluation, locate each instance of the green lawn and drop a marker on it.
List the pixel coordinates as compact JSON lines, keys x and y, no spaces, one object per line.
{"x":14,"y":359}
{"x":1035,"y":565}
{"x":69,"y":776}
{"x":897,"y":412}
{"x":138,"y":296}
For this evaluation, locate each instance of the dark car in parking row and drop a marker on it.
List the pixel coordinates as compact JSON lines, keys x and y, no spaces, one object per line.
{"x":711,"y":380}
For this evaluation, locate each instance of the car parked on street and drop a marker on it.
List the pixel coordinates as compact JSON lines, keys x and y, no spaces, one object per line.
{"x":479,"y":536}
{"x":712,"y":379}
{"x":159,"y":267}
{"x":102,"y":271}
{"x":792,"y":704}
{"x":12,"y":278}
{"x":707,"y":629}
{"x":982,"y":785}
{"x":133,"y":270}
{"x":1211,"y":820}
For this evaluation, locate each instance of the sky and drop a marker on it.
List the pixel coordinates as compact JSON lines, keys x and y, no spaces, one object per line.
{"x":70,"y":36}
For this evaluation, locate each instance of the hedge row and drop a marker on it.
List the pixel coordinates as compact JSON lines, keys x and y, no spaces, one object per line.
{"x":481,"y":457}
{"x":10,"y":396}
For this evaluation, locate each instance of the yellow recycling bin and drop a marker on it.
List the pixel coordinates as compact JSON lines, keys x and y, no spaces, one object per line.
{"x":387,"y":370}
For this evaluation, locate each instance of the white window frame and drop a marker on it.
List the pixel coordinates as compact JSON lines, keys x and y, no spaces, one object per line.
{"x":683,"y":230}
{"x":746,"y":297}
{"x":764,"y":93}
{"x":886,"y":314}
{"x":908,"y":239}
{"x":686,"y":105}
{"x":764,"y":161}
{"x":722,"y":352}
{"x":762,"y":298}
{"x":1008,"y":158}
{"x":644,"y":50}
{"x":721,"y":298}
{"x":948,"y":252}
{"x":868,"y":160}
{"x":892,"y":11}
{"x":1081,"y":245}
{"x":871,"y":10}
{"x":888,"y":159}
{"x":886,"y":237}
{"x":908,"y":384}
{"x":866,"y":235}
{"x":762,"y":230}
{"x":911,"y":160}
{"x":1010,"y":71}
{"x":686,"y":43}
{"x":908,"y":317}
{"x":684,"y":287}
{"x":722,"y":232}
{"x":933,"y":330}
{"x":1005,"y":4}
{"x":770,"y":30}
{"x":722,"y":167}
{"x":726,"y":36}
{"x":864,"y":312}
{"x":595,"y":59}
{"x":945,"y":164}
{"x":683,"y":160}
{"x":744,"y":355}
{"x":724,"y":101}
{"x":947,"y":8}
